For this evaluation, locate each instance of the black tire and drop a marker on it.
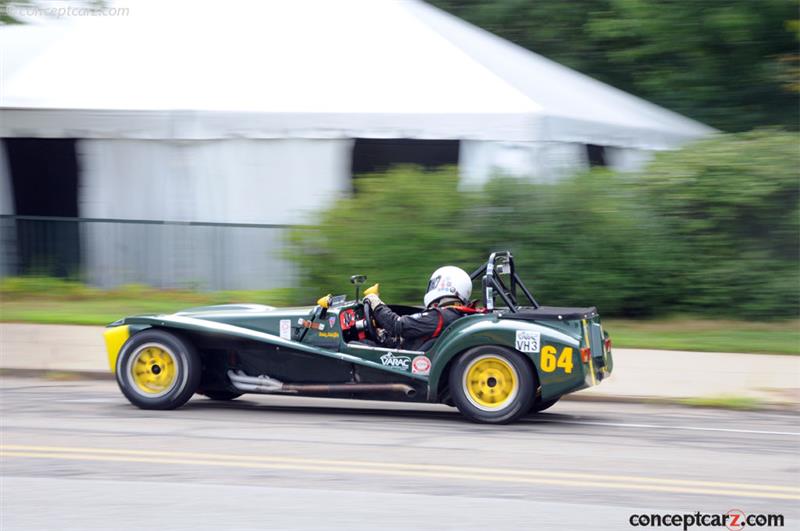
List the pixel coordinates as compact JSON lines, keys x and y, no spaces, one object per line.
{"x":222,"y":396}
{"x":503,"y":365}
{"x":179,"y":376}
{"x":541,"y":406}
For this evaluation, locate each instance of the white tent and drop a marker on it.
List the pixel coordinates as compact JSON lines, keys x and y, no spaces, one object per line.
{"x":225,"y":112}
{"x":309,"y":69}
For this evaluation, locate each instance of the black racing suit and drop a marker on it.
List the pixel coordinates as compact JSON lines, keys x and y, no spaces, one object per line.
{"x":410,"y":332}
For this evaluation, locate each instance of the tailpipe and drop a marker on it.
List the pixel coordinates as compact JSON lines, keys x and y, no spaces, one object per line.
{"x":266,"y":385}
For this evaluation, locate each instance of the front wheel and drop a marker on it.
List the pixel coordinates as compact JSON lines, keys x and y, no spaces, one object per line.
{"x":492,"y":384}
{"x":157,"y":369}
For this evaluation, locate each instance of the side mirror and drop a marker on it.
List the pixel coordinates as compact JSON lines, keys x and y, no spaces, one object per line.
{"x":357,"y":280}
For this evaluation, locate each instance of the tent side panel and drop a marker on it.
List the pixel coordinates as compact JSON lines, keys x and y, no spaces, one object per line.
{"x":8,"y":233}
{"x":279,"y":182}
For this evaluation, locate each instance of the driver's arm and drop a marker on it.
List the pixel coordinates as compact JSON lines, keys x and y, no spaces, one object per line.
{"x":405,"y":326}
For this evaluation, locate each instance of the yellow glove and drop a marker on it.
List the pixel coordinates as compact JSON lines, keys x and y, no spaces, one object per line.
{"x":373,"y":300}
{"x":372,"y":290}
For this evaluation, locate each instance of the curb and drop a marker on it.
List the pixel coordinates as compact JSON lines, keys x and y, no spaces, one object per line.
{"x":73,"y":375}
{"x":57,"y":374}
{"x":782,"y":407}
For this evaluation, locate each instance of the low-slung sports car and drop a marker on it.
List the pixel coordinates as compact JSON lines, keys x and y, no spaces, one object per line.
{"x":500,"y":361}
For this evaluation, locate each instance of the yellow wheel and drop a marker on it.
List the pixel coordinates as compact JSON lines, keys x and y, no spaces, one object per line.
{"x":153,"y":369}
{"x":491,"y":382}
{"x":158,"y":369}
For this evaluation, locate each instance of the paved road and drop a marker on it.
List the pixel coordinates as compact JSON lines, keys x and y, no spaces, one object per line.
{"x":76,"y":455}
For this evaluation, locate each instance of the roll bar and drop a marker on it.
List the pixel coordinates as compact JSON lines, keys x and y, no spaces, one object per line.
{"x":501,"y":262}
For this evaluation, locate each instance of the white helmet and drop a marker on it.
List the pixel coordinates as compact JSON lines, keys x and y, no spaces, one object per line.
{"x":448,"y":281}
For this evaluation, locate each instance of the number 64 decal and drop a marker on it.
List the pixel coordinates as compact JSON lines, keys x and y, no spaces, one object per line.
{"x":549,"y":362}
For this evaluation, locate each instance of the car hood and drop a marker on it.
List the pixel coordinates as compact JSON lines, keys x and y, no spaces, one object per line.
{"x":226,"y":312}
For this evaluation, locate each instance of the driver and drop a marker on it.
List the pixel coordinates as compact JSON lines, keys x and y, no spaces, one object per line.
{"x":448,"y":290}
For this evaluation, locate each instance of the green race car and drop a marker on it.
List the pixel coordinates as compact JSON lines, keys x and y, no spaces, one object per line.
{"x":503,"y":359}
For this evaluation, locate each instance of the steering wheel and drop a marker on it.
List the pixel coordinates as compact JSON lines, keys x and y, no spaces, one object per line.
{"x":369,"y":327}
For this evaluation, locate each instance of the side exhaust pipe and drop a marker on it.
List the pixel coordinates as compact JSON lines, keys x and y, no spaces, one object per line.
{"x":264,"y":384}
{"x":259,"y":384}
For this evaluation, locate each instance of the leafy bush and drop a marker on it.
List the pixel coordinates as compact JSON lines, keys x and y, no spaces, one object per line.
{"x":49,"y":289}
{"x":28,"y":287}
{"x":730,"y":206}
{"x":585,"y":241}
{"x":398,"y":228}
{"x":713,"y":228}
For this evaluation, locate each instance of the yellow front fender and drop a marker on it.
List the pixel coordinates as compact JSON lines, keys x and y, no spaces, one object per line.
{"x":115,"y":338}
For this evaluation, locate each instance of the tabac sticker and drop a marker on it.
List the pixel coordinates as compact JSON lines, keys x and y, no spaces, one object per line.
{"x":286,"y":328}
{"x":527,"y":341}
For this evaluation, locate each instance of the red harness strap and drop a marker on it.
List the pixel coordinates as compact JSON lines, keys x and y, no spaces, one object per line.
{"x":438,"y":326}
{"x":468,"y":309}
{"x":462,"y":309}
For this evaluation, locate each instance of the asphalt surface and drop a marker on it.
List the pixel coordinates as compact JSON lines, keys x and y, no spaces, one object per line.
{"x":76,"y":455}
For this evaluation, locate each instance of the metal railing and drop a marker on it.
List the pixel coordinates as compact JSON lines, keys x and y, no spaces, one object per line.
{"x":169,"y":254}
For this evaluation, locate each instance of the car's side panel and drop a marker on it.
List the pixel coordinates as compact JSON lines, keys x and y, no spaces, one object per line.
{"x":200,"y":325}
{"x":554,"y":351}
{"x":555,"y":355}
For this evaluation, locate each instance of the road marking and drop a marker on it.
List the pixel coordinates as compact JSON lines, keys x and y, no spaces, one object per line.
{"x":499,"y":475}
{"x":663,"y":427}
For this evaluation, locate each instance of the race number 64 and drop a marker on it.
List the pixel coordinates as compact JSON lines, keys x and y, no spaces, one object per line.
{"x":550,"y":361}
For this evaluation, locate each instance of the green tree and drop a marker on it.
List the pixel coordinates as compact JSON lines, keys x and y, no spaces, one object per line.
{"x":731,"y":64}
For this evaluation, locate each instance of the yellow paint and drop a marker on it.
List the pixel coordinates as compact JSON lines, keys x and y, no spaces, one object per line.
{"x":115,"y":338}
{"x":491,"y":381}
{"x":547,"y":359}
{"x":325,"y":301}
{"x":589,"y":345}
{"x":154,"y":370}
{"x":483,"y":474}
{"x":549,"y":363}
{"x":565,"y":360}
{"x":372,"y":290}
{"x":329,"y":334}
{"x":591,"y":368}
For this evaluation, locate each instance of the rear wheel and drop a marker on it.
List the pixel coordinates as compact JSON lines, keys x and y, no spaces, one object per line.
{"x":158,"y":370}
{"x":492,"y":384}
{"x":541,"y":406}
{"x":221,"y":395}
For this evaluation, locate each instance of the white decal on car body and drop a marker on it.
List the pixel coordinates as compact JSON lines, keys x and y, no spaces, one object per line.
{"x":527,"y":341}
{"x":390,"y":360}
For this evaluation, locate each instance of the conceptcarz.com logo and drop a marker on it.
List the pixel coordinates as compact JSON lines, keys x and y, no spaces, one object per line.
{"x":23,"y":9}
{"x":734,"y":520}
